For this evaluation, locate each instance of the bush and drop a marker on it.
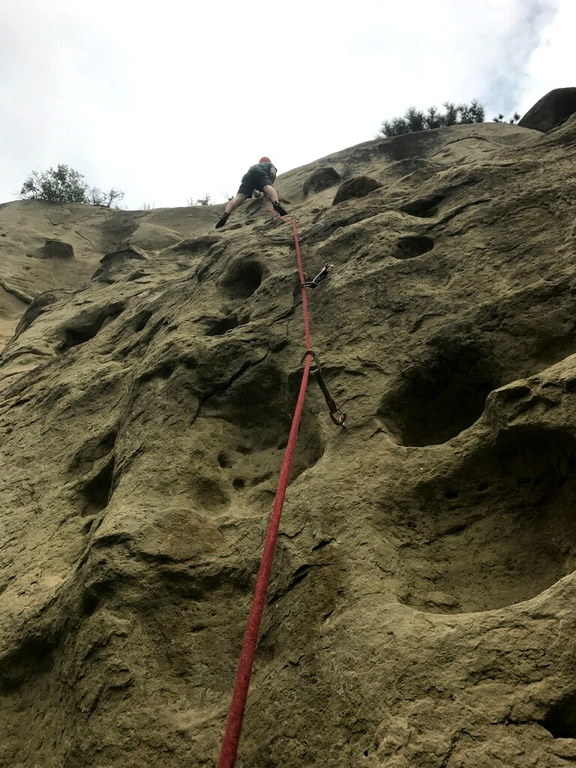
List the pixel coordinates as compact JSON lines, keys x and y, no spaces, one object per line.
{"x":65,"y":185}
{"x":417,"y":120}
{"x":206,"y":200}
{"x":510,"y":120}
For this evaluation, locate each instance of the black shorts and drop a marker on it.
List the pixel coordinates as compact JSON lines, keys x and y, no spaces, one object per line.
{"x":254,"y":179}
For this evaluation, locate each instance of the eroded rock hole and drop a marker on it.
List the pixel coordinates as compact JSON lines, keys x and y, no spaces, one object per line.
{"x":262,"y":478}
{"x":86,"y":528}
{"x":321,"y":178}
{"x":97,"y":490}
{"x":258,"y":406}
{"x":81,"y":329}
{"x":96,"y":594}
{"x":508,"y":535}
{"x":137,"y":275}
{"x":441,"y":396}
{"x":141,"y":320}
{"x":218,"y":327}
{"x":210,"y":493}
{"x":410,"y":247}
{"x":81,"y":334}
{"x":57,"y":249}
{"x":90,"y":603}
{"x":196,"y":245}
{"x":93,"y":449}
{"x":224,"y":460}
{"x":163,"y":370}
{"x":357,"y":187}
{"x":243,"y":279}
{"x":32,"y":658}
{"x":561,"y":720}
{"x":424,"y":207}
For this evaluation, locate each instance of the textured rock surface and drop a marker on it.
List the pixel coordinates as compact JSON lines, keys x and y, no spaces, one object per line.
{"x":422,"y":610}
{"x":551,"y":110}
{"x":320,"y":179}
{"x":357,"y":187}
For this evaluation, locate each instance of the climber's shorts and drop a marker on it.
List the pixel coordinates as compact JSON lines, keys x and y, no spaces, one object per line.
{"x":252,"y":180}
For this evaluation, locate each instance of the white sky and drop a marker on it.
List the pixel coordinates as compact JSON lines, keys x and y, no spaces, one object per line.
{"x":172,"y":100}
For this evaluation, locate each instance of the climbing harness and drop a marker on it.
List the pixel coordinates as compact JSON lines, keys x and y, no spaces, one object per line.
{"x":233,"y":730}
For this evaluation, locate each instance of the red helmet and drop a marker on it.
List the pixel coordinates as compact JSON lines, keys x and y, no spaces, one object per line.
{"x":264,"y":160}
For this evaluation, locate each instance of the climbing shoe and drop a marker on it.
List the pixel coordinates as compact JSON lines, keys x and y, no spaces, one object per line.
{"x":222,"y":220}
{"x":278,"y":208}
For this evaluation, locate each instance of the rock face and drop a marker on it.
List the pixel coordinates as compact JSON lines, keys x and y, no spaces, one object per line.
{"x":551,"y":111}
{"x":322,"y":178}
{"x":357,"y":187}
{"x":56,"y":249}
{"x":422,"y":611}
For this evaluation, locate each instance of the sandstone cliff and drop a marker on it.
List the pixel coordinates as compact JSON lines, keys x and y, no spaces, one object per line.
{"x":422,"y":611}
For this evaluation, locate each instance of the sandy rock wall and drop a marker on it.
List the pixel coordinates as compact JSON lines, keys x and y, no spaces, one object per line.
{"x":422,"y":605}
{"x":58,"y":247}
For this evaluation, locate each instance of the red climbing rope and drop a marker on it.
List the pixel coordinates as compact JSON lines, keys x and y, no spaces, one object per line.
{"x":235,"y":719}
{"x":301,"y":275}
{"x":244,"y":672}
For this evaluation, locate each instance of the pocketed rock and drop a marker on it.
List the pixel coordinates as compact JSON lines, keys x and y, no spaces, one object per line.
{"x":422,"y":609}
{"x":358,"y":187}
{"x":321,"y":178}
{"x":56,"y":249}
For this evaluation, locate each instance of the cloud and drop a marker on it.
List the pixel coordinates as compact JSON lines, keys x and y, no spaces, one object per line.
{"x":172,"y":101}
{"x":551,"y":63}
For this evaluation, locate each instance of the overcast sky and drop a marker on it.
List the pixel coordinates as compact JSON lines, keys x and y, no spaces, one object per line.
{"x":173,"y":100}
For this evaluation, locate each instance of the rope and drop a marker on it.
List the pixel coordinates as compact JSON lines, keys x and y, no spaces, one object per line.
{"x":235,"y":718}
{"x":244,"y":672}
{"x":305,"y":315}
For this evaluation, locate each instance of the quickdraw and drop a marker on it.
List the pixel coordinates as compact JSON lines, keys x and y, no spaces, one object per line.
{"x":320,"y":277}
{"x":337,"y":415}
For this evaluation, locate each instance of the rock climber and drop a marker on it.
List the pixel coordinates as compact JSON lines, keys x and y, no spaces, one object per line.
{"x":259,"y":178}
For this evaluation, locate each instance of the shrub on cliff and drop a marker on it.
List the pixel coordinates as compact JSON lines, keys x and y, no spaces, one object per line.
{"x":510,"y":120}
{"x":417,"y":120}
{"x":65,"y":185}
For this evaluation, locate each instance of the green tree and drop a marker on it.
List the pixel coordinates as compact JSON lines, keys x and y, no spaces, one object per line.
{"x":450,"y":117}
{"x":417,"y":120}
{"x":471,"y":113}
{"x":433,"y":119}
{"x":511,"y":120}
{"x":65,"y":185}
